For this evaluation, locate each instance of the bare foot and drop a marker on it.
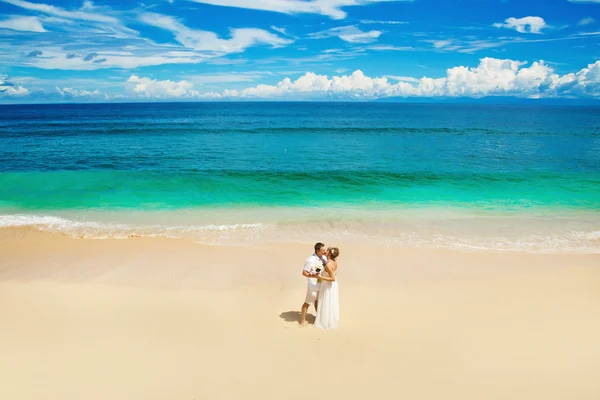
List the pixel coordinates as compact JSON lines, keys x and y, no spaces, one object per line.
{"x":303,"y":323}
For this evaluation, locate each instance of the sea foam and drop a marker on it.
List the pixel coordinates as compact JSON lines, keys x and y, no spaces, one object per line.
{"x":438,"y":234}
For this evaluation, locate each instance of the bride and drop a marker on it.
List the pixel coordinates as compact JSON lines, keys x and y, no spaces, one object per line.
{"x":328,"y":314}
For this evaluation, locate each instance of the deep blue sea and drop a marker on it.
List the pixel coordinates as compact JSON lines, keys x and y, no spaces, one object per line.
{"x":473,"y":176}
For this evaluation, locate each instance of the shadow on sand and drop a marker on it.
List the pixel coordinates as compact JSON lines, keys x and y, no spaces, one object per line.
{"x":294,"y":316}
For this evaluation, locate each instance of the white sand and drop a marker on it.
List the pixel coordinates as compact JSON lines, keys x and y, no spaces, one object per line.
{"x":171,"y":319}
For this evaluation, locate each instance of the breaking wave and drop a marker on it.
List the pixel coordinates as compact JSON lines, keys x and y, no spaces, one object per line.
{"x":476,"y":238}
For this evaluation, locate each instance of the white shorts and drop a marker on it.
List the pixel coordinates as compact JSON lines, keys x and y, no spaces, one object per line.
{"x":311,"y":295}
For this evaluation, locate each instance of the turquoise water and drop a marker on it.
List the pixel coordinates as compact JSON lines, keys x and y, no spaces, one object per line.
{"x":159,"y":190}
{"x":97,"y":165}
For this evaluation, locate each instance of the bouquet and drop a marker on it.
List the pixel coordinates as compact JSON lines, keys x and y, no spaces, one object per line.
{"x":317,"y":267}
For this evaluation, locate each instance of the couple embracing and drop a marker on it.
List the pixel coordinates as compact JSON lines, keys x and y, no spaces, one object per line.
{"x":322,"y":291}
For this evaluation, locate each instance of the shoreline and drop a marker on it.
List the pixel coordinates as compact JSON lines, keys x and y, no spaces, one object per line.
{"x":545,"y":231}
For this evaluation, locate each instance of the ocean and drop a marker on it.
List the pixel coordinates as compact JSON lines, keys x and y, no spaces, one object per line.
{"x":471,"y":177}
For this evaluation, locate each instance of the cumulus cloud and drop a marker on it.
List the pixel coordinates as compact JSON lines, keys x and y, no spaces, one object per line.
{"x":21,"y":23}
{"x":350,"y":34}
{"x":492,"y":77}
{"x":585,"y":82}
{"x":524,"y":25}
{"x":201,"y":40}
{"x":7,"y":88}
{"x":330,"y":8}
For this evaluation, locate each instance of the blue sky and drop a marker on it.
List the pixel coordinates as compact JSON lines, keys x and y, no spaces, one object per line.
{"x":193,"y":50}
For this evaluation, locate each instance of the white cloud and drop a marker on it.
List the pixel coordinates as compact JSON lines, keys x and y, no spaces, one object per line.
{"x":99,"y":41}
{"x":586,"y":21}
{"x":354,"y":86}
{"x":585,"y":82}
{"x":59,"y":12}
{"x":440,"y":44}
{"x":154,"y":89}
{"x":387,"y":47}
{"x":201,"y":40}
{"x":99,"y":19}
{"x":70,"y":92}
{"x":148,"y":55}
{"x":21,"y":23}
{"x":524,"y":25}
{"x":9,"y":89}
{"x":492,"y":77}
{"x":350,"y":34}
{"x":370,"y":21}
{"x":469,"y":46}
{"x":330,"y":8}
{"x":88,"y":5}
{"x":584,"y":1}
{"x":279,"y":30}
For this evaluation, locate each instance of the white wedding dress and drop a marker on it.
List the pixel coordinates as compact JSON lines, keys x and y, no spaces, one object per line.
{"x":328,"y":313}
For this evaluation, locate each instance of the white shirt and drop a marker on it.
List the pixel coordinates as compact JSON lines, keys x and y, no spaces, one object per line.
{"x":310,"y":265}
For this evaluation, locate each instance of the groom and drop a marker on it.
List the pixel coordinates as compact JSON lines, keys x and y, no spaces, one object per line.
{"x":317,"y":260}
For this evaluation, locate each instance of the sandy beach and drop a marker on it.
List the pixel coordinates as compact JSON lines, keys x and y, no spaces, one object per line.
{"x":149,"y":318}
